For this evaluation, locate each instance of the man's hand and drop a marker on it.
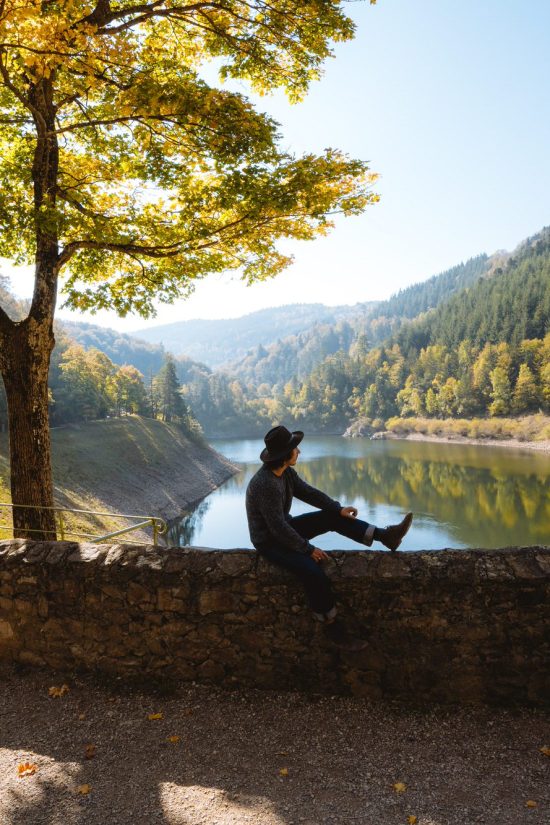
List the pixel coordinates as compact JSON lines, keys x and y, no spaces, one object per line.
{"x":349,"y":512}
{"x":318,"y":555}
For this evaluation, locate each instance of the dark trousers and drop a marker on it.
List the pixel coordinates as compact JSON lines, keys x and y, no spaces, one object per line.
{"x":310,"y":573}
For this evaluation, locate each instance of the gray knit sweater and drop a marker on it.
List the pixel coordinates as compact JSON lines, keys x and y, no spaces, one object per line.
{"x":268,"y":502}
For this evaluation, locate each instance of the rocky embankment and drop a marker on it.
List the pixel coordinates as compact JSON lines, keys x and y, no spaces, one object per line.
{"x":137,"y":465}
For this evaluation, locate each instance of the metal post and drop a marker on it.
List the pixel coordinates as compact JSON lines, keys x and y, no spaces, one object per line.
{"x":61,"y":525}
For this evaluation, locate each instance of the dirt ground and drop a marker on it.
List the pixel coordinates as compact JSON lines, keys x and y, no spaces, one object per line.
{"x":215,"y":757}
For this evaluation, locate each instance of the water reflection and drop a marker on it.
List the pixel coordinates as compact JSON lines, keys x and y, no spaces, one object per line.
{"x":181,"y":532}
{"x":461,"y":495}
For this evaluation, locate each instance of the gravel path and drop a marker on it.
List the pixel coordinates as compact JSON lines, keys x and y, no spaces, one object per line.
{"x":260,"y":757}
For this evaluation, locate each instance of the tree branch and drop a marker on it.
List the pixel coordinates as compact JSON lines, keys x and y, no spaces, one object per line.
{"x":62,"y":193}
{"x":22,"y":99}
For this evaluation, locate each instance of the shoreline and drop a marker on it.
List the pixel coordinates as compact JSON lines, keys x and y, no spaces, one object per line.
{"x":106,"y":470}
{"x":536,"y":446}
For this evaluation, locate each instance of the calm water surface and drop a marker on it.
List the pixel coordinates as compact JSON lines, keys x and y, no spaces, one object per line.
{"x":462,"y":496}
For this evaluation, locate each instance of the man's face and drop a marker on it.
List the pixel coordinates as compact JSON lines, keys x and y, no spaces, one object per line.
{"x":294,"y":456}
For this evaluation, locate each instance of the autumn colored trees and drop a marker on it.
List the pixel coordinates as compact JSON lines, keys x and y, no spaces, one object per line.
{"x":126,"y":174}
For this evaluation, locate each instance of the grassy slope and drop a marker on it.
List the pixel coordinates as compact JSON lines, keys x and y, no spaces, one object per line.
{"x":128,"y":465}
{"x":523,"y":428}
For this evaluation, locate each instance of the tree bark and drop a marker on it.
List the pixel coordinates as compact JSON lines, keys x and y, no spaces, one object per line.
{"x":25,"y":362}
{"x":26,"y":346}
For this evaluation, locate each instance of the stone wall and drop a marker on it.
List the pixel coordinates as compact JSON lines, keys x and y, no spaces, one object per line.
{"x":467,"y":626}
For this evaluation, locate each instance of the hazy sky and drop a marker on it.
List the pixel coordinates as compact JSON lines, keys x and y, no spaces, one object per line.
{"x":449,"y":102}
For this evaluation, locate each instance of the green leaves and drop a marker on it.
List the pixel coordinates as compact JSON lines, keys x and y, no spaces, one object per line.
{"x":151,"y":178}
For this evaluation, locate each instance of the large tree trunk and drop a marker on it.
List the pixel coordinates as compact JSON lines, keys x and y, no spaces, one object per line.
{"x":25,"y":363}
{"x":25,"y":347}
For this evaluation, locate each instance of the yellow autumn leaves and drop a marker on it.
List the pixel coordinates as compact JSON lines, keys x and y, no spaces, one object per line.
{"x":27,"y":769}
{"x":44,"y":39}
{"x":57,"y":692}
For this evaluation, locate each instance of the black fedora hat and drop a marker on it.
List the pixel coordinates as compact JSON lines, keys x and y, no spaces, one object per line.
{"x":278,"y":442}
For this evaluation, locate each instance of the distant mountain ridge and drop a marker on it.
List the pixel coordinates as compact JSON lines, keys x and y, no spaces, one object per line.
{"x":218,"y":343}
{"x":295,"y":356}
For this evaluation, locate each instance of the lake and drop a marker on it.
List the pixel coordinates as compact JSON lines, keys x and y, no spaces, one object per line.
{"x":461,"y":495}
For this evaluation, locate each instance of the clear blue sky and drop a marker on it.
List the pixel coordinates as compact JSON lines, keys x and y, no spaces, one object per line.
{"x":449,"y":102}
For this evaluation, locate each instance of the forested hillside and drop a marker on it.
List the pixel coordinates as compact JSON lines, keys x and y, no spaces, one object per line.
{"x":85,"y":384}
{"x":510,"y":306}
{"x":119,"y":347}
{"x":222,"y":342}
{"x":122,"y":349}
{"x":483,"y":350}
{"x":296,"y":356}
{"x":472,"y":341}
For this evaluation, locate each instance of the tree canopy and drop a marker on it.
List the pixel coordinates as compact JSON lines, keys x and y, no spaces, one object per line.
{"x":124,"y":169}
{"x":156,"y":178}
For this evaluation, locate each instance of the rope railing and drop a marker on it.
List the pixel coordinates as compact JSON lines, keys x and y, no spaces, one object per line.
{"x":157,"y":524}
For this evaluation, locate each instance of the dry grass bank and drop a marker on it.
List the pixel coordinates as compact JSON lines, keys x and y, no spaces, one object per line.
{"x":531,"y":431}
{"x":127,"y":465}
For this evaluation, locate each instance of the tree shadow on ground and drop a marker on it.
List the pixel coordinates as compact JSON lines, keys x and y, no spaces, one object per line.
{"x":266,"y":758}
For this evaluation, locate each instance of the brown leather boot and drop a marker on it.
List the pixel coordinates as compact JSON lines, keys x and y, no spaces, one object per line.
{"x":393,"y":535}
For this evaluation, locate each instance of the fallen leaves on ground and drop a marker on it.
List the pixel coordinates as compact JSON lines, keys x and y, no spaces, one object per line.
{"x":90,"y":751}
{"x":58,"y":691}
{"x":26,"y":769}
{"x":545,"y":750}
{"x":173,"y":739}
{"x":412,"y":820}
{"x":84,"y":789}
{"x":530,"y":803}
{"x":153,"y":716}
{"x":283,"y":772}
{"x":400,"y":787}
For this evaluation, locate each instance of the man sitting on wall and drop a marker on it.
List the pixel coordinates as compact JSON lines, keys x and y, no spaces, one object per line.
{"x":285,"y":540}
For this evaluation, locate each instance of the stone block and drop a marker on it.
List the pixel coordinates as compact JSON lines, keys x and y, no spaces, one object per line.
{"x":71,"y":589}
{"x":151,"y":561}
{"x":174,"y":627}
{"x":29,"y":580}
{"x":216,"y":601}
{"x":355,"y":566}
{"x":54,"y":629}
{"x":24,"y":606}
{"x":261,"y":615}
{"x":136,"y":593}
{"x":526,"y":566}
{"x":211,"y":671}
{"x":167,"y":601}
{"x":30,"y":658}
{"x":175,"y":563}
{"x":236,"y":564}
{"x":155,"y":646}
{"x":113,"y":592}
{"x":115,"y":554}
{"x":6,"y":631}
{"x":58,"y":551}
